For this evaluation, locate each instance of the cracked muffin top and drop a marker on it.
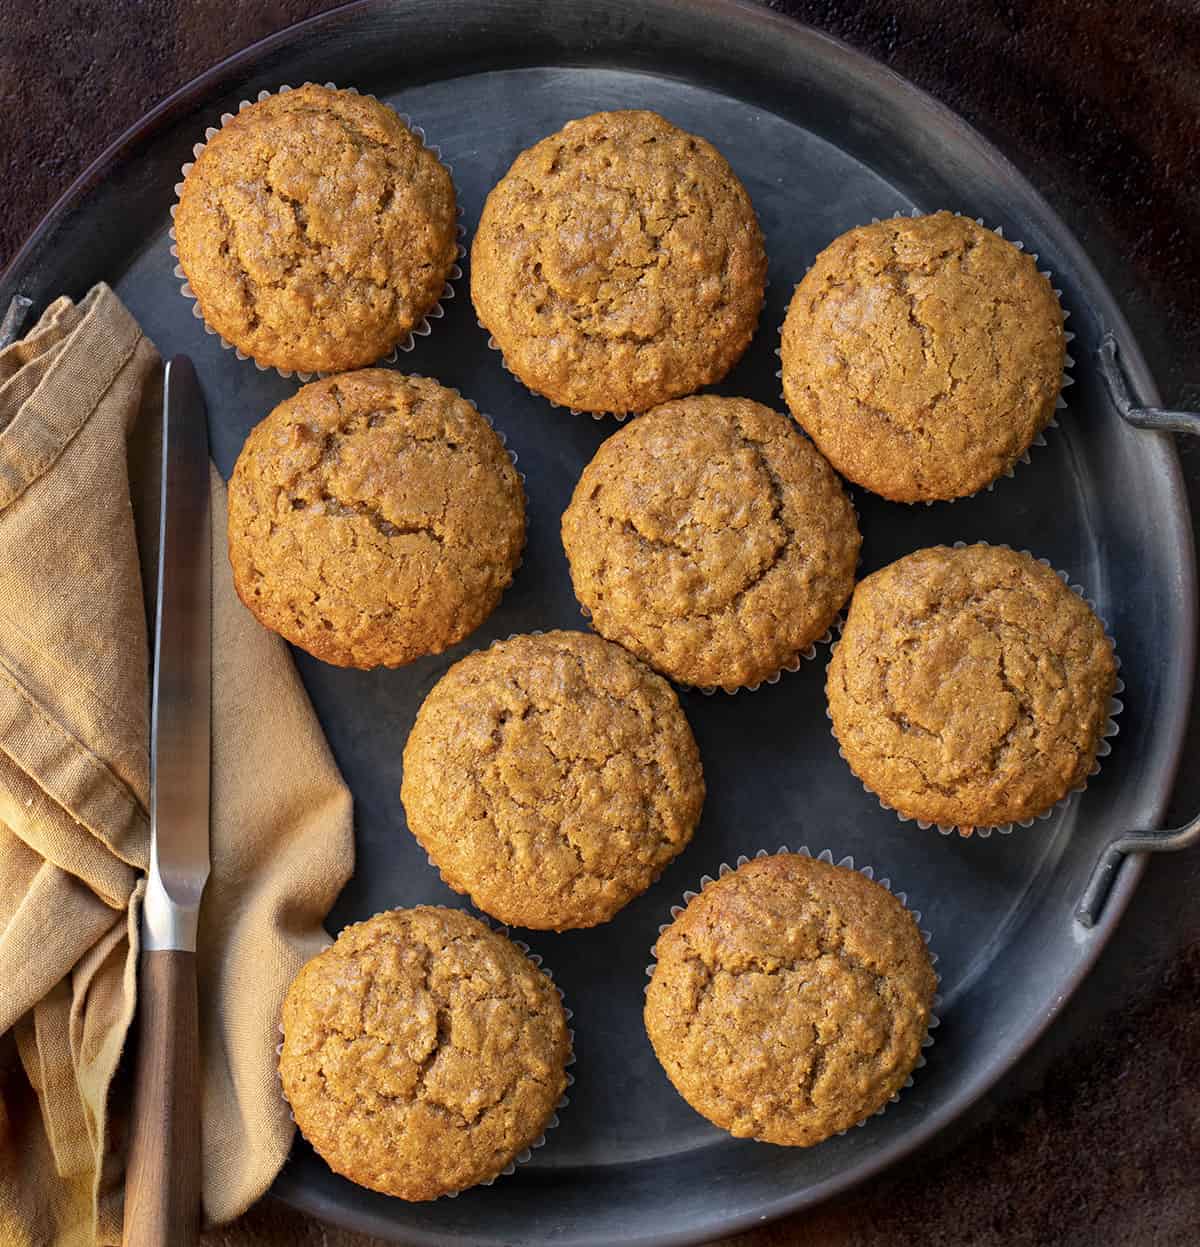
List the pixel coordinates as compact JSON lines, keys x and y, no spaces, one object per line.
{"x":552,"y":777}
{"x":619,"y":263}
{"x":422,"y":1052}
{"x":374,"y":518}
{"x":970,"y":686}
{"x":316,"y":230}
{"x":923,"y":356}
{"x":712,"y":540}
{"x":790,"y":999}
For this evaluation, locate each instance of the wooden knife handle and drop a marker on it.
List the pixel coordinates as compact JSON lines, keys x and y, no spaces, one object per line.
{"x":162,"y":1182}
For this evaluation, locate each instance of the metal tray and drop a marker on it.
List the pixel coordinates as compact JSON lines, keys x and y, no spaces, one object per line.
{"x":824,"y":139}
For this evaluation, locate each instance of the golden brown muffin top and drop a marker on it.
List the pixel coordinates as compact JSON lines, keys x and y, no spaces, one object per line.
{"x":970,"y":687}
{"x":552,"y":777}
{"x":790,"y":999}
{"x":619,"y":263}
{"x":316,"y":230}
{"x":923,"y":356}
{"x":422,"y":1052}
{"x":711,"y":539}
{"x":374,"y":518}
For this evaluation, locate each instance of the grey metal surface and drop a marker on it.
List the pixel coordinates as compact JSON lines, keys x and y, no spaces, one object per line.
{"x":181,"y":698}
{"x":824,"y":140}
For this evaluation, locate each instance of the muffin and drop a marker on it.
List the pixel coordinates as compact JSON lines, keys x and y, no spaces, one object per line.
{"x":374,"y":518}
{"x":923,"y":356}
{"x":712,"y":540}
{"x":619,"y":263}
{"x":790,"y":999}
{"x":551,"y":777}
{"x":316,"y":230}
{"x":970,"y":687}
{"x":422,"y":1052}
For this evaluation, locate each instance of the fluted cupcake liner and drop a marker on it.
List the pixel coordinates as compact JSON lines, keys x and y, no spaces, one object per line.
{"x":868,"y":872}
{"x":1060,"y":403}
{"x":619,"y":416}
{"x":526,"y":1153}
{"x":422,"y":329}
{"x":1111,"y":727}
{"x":493,"y":345}
{"x":807,"y":654}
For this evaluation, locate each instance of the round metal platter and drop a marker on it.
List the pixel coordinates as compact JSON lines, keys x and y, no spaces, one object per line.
{"x":824,"y":139}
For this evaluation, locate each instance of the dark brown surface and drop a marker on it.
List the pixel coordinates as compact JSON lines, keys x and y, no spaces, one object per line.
{"x":162,"y":1186}
{"x":1095,"y":1137}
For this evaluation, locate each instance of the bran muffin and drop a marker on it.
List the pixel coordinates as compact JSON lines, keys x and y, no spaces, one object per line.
{"x":970,"y":687}
{"x":712,"y":540}
{"x":790,"y":999}
{"x":374,"y":518}
{"x":422,"y":1052}
{"x":316,"y":230}
{"x":923,"y":356}
{"x":552,"y":777}
{"x":619,"y":263}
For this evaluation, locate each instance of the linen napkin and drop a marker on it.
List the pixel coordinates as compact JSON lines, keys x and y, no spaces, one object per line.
{"x":80,"y":429}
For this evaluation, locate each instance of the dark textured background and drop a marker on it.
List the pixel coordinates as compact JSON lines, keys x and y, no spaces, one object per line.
{"x":1095,"y":1137}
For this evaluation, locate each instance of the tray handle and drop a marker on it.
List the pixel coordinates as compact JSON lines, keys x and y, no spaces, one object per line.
{"x":14,"y":318}
{"x":1105,"y":871}
{"x":1156,"y":418}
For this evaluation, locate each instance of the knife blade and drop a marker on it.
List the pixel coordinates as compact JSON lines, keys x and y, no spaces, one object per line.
{"x":162,"y":1184}
{"x":180,"y":721}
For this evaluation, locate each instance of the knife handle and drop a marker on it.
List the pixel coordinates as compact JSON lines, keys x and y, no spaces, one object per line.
{"x":162,"y":1181}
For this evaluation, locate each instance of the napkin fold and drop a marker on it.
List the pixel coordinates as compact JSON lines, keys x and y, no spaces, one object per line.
{"x":80,"y":429}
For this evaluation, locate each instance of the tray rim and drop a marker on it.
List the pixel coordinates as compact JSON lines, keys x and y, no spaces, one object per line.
{"x":192,"y":95}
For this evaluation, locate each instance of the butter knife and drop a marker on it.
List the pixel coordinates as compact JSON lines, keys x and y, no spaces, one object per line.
{"x":162,"y":1184}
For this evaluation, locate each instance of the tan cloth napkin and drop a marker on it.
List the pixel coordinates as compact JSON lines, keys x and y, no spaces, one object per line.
{"x":80,"y":411}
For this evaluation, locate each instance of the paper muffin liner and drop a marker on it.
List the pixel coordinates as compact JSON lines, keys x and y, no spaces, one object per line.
{"x":807,"y":654}
{"x":422,"y":329}
{"x":619,"y":416}
{"x":526,"y":1153}
{"x":1103,"y":749}
{"x":868,"y":872}
{"x":493,"y":345}
{"x":1060,"y":402}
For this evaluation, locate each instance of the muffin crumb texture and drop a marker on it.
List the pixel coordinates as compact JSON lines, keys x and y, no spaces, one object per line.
{"x":923,"y":356}
{"x":316,"y":230}
{"x":711,"y":539}
{"x":619,"y":263}
{"x":422,"y":1052}
{"x":552,"y":777}
{"x":970,"y":687}
{"x":790,"y":999}
{"x":374,"y":518}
